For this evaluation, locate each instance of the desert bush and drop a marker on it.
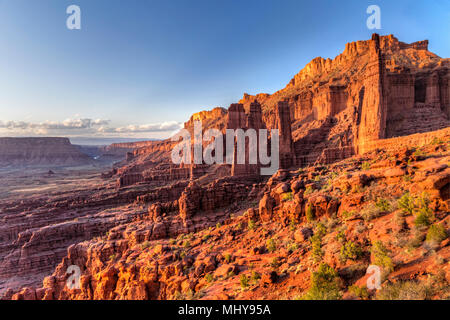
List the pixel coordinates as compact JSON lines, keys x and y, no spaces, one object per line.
{"x":316,"y":245}
{"x":287,"y":196}
{"x":251,"y":224}
{"x":351,"y":250}
{"x":383,"y":205}
{"x":406,"y":203}
{"x":347,"y":214}
{"x":292,"y":224}
{"x":423,"y":219}
{"x":404,"y":290}
{"x":381,"y":256}
{"x":186,"y":244}
{"x":370,"y":212}
{"x":340,"y":236}
{"x":244,"y":281}
{"x":209,"y":278}
{"x":227,"y":257}
{"x":424,"y":216}
{"x":436,"y":233}
{"x":292,"y":247}
{"x":365,"y":165}
{"x":308,"y":190}
{"x":321,"y":230}
{"x":309,"y":214}
{"x":271,"y":245}
{"x":359,"y":292}
{"x":255,"y":276}
{"x":324,"y":284}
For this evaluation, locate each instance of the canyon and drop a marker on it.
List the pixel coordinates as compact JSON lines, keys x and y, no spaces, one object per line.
{"x":364,"y":151}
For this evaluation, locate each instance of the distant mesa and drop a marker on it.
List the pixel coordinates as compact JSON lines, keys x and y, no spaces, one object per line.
{"x":20,"y":152}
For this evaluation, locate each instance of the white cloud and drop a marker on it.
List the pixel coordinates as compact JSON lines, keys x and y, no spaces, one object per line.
{"x":85,"y":126}
{"x":154,"y":127}
{"x":67,"y":124}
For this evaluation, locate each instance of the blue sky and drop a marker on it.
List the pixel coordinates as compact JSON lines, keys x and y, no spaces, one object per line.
{"x":138,"y":68}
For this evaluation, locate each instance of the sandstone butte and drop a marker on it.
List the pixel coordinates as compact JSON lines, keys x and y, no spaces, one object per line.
{"x":364,"y":179}
{"x":17,"y":152}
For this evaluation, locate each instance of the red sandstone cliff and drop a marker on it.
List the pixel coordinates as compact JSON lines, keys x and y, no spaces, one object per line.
{"x":357,"y":134}
{"x":378,"y":88}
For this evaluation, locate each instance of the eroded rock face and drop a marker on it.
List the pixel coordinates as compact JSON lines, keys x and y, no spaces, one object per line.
{"x":376,"y":89}
{"x":144,"y":258}
{"x":371,"y":124}
{"x":19,"y":152}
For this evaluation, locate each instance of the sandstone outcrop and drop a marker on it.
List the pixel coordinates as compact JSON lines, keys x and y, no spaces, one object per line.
{"x":364,"y":151}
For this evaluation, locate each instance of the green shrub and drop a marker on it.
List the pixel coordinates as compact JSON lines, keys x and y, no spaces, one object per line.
{"x":340,"y":236}
{"x":324,"y":284}
{"x":424,"y":217}
{"x":292,"y":247}
{"x":309,"y":214}
{"x":292,"y":224}
{"x":316,"y":244}
{"x":383,"y":205}
{"x":422,"y":220}
{"x":251,"y":224}
{"x":360,"y":292}
{"x":186,"y":244}
{"x":321,"y":230}
{"x":209,"y":278}
{"x":351,"y":250}
{"x":227,"y":257}
{"x":347,"y":214}
{"x":244,"y":281}
{"x":271,"y":245}
{"x":406,"y":203}
{"x":381,"y":256}
{"x":308,"y":190}
{"x":365,"y":165}
{"x":436,"y":233}
{"x":255,"y":276}
{"x":287,"y":196}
